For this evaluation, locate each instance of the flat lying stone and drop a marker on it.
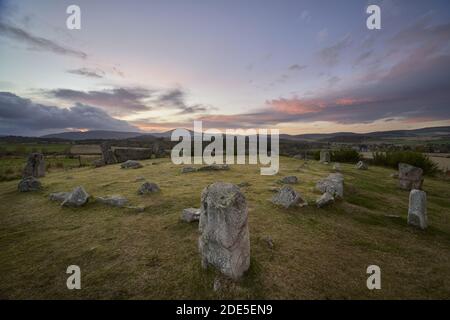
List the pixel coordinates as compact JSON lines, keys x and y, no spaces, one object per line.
{"x":188,"y":170}
{"x":114,"y":201}
{"x":214,"y":167}
{"x":131,"y":164}
{"x":77,"y":198}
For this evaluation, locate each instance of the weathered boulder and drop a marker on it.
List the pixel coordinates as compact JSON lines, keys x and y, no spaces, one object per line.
{"x":35,"y":166}
{"x":188,"y":169}
{"x":417,"y":212}
{"x":214,"y":167}
{"x":409,"y":177}
{"x":324,"y":200}
{"x":29,"y":184}
{"x":287,"y":197}
{"x":289,"y":180}
{"x":361,"y":165}
{"x":325,"y":156}
{"x":131,"y":164}
{"x":190,"y":214}
{"x":59,"y":196}
{"x":224,"y":241}
{"x":148,"y":187}
{"x":77,"y":198}
{"x":333,"y":184}
{"x":114,"y":200}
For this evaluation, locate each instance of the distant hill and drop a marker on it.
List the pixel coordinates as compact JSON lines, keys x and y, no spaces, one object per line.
{"x":94,"y":135}
{"x":435,"y":132}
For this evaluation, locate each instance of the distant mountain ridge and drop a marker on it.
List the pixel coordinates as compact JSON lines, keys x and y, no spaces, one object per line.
{"x":337,"y":136}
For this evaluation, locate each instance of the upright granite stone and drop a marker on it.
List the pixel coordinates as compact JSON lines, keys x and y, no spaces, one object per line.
{"x":409,"y":177}
{"x":29,"y":184}
{"x":224,"y":241}
{"x":417,"y":212}
{"x":325,"y":156}
{"x":35,"y":166}
{"x":107,"y":153}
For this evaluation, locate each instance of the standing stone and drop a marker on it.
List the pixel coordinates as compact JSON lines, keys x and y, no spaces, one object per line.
{"x":409,"y":177}
{"x":361,"y":165}
{"x":224,"y":241}
{"x":107,"y":153}
{"x":417,"y":212}
{"x":29,"y":184}
{"x":325,"y":156}
{"x":35,"y":166}
{"x":337,"y":167}
{"x":287,"y":197}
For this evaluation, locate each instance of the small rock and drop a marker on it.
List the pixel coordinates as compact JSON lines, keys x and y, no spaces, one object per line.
{"x":76,"y":198}
{"x":361,"y":165}
{"x":269,"y":242}
{"x":190,"y":214}
{"x":289,"y":180}
{"x":324,"y":200}
{"x":149,"y":187}
{"x":217,"y":284}
{"x":394,"y":175}
{"x":139,"y":179}
{"x":136,"y":208}
{"x":287,"y":197}
{"x":131,"y":164}
{"x":114,"y":201}
{"x":29,"y":184}
{"x":337,"y":167}
{"x":214,"y":167}
{"x":188,"y":169}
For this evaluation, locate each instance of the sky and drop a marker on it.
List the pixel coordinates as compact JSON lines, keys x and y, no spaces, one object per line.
{"x":297,"y":66}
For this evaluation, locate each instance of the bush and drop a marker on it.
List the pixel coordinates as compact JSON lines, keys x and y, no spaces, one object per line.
{"x":393,"y":158}
{"x":345,"y":155}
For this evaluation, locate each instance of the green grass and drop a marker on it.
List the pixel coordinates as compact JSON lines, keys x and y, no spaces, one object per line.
{"x":11,"y":167}
{"x":26,"y":148}
{"x":317,"y":253}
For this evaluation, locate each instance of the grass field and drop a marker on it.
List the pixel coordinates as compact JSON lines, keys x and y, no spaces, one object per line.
{"x":317,"y":253}
{"x":26,"y":148}
{"x":11,"y":167}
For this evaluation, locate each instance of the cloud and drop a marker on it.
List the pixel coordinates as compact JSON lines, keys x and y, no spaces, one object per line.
{"x":117,"y":101}
{"x":297,"y":67}
{"x":37,"y":43}
{"x":322,"y":35}
{"x":330,"y":55}
{"x":90,"y":73}
{"x":176,"y":99}
{"x":305,"y":16}
{"x":21,"y":116}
